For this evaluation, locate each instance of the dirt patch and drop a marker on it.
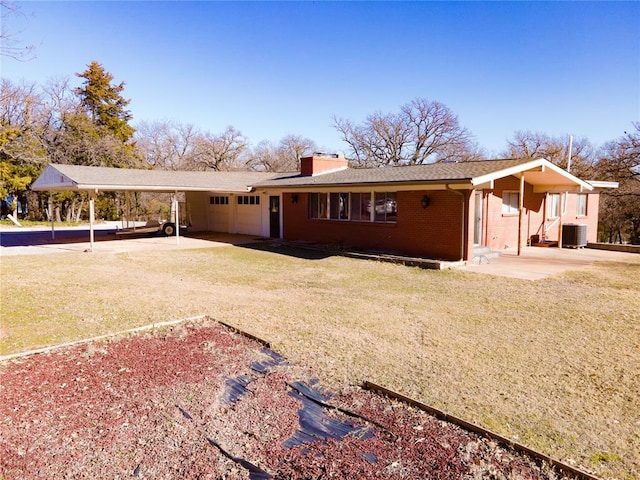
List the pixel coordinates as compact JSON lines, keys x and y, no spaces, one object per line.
{"x":199,"y":401}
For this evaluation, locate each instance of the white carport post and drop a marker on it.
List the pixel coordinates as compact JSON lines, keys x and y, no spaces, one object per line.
{"x":176,"y":206}
{"x":92,"y":213}
{"x":53,"y":226}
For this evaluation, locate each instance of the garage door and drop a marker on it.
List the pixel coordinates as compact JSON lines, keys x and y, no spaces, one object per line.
{"x":219,"y":214}
{"x":249,"y":215}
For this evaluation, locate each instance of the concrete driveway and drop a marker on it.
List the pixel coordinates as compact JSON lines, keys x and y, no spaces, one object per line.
{"x":39,"y":241}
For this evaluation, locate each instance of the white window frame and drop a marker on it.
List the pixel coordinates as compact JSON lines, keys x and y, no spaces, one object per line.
{"x":581,"y":204}
{"x":553,"y":205}
{"x":508,"y":197}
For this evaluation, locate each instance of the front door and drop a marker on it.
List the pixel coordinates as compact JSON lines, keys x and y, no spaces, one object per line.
{"x":274,"y":216}
{"x":477,"y":220}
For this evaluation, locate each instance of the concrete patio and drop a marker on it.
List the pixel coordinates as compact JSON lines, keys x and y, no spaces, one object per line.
{"x":535,"y":263}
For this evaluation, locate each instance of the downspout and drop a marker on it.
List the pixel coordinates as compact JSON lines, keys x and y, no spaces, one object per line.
{"x":463,"y":227}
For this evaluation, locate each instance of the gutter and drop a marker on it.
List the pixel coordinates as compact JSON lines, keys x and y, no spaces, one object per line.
{"x":462,"y":220}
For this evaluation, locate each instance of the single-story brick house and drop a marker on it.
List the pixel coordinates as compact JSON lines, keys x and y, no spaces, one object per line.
{"x":441,"y":211}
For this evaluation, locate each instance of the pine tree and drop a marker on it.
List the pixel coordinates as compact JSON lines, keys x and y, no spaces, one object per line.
{"x":103,"y":101}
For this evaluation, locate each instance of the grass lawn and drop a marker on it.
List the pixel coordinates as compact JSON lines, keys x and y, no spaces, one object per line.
{"x":553,"y":364}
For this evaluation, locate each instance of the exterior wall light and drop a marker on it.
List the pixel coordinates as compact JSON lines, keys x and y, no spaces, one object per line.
{"x":425,"y":201}
{"x":294,"y":198}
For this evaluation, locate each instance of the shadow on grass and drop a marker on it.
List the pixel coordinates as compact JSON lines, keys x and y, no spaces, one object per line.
{"x":306,"y":253}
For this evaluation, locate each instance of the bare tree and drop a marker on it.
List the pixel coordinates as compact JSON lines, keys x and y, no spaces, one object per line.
{"x":10,"y":44}
{"x":422,"y":132}
{"x":620,"y":162}
{"x":284,"y":157}
{"x":167,"y":145}
{"x":291,"y":149}
{"x":220,"y":151}
{"x":620,"y":158}
{"x":264,"y":157}
{"x":525,"y":144}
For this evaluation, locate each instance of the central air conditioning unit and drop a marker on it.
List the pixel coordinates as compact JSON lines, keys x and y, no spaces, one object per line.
{"x":574,"y":235}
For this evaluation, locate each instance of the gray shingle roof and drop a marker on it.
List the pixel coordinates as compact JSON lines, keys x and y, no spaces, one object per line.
{"x":435,"y":172}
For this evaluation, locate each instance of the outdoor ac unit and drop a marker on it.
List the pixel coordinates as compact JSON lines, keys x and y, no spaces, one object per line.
{"x":574,"y":235}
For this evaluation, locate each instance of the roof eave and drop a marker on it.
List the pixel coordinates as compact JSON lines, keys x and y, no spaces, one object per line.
{"x":135,"y":188}
{"x":601,"y":184}
{"x":397,"y":185}
{"x":539,"y":164}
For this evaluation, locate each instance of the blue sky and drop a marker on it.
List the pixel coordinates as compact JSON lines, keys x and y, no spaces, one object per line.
{"x":275,"y":68}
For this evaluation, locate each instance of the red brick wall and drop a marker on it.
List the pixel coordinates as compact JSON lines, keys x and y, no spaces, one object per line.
{"x":501,"y":230}
{"x":435,"y":231}
{"x":590,"y":220}
{"x":432,"y":232}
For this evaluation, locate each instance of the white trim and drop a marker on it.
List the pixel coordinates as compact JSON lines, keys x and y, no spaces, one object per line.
{"x":541,"y":164}
{"x":600,"y":184}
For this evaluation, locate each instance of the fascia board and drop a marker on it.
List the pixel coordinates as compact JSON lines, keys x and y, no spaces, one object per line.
{"x":569,"y":176}
{"x":602,"y":184}
{"x":558,"y":188}
{"x":508,"y":172}
{"x":485,"y":186}
{"x":540,"y":163}
{"x":368,"y":187}
{"x":132,"y":188}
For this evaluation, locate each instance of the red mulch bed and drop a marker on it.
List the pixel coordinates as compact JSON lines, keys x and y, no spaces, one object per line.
{"x":160,"y":405}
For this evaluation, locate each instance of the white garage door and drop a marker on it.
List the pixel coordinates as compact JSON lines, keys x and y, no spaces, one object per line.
{"x":220,"y":214}
{"x":249,"y":216}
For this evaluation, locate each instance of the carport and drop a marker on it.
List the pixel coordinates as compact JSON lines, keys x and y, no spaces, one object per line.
{"x":80,"y":178}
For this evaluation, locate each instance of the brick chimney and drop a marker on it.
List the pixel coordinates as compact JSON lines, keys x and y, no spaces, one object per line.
{"x":320,"y":163}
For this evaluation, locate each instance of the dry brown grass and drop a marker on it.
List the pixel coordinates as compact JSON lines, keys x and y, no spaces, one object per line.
{"x":554,"y":364}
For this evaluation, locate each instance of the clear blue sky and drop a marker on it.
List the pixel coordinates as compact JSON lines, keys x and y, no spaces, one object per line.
{"x":271,"y":69}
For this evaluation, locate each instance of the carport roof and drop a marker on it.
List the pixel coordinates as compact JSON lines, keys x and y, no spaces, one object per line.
{"x":57,"y":177}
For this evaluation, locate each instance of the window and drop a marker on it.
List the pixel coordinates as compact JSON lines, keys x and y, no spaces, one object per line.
{"x":361,"y":207}
{"x":218,"y":200}
{"x":386,"y":209}
{"x":553,"y":205}
{"x":510,"y":202}
{"x":355,"y":207}
{"x":248,"y":199}
{"x":318,"y":203}
{"x":339,"y":205}
{"x":581,"y":208}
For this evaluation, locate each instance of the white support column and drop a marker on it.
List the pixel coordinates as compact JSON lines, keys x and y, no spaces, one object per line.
{"x":53,"y":227}
{"x":176,"y":206}
{"x":92,"y":214}
{"x":520,"y":209}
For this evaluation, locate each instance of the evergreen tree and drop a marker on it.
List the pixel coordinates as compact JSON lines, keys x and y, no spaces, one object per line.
{"x":103,"y":101}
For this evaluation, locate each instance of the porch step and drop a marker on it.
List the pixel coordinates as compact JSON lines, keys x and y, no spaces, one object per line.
{"x":485,"y":253}
{"x":545,"y":244}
